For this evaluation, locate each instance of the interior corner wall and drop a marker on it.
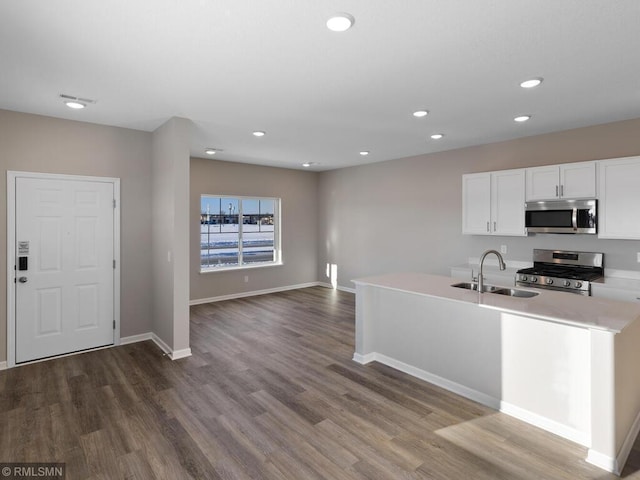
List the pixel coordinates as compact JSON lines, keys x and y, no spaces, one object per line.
{"x":34,"y":143}
{"x":299,"y":208}
{"x":170,"y":231}
{"x":406,"y":214}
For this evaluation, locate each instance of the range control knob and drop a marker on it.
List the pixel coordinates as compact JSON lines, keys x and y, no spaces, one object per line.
{"x":534,"y":279}
{"x":523,"y":278}
{"x":549,"y":281}
{"x":566,"y":283}
{"x":578,"y":284}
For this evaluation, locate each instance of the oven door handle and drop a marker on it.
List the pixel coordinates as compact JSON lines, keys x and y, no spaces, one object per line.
{"x":574,"y":218}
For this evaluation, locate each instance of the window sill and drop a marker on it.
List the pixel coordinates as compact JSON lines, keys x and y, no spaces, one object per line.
{"x":241,"y":267}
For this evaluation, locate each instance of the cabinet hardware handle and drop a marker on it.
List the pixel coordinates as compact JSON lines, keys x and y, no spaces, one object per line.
{"x":494,"y":226}
{"x":556,"y":190}
{"x":487,"y":226}
{"x":562,"y":190}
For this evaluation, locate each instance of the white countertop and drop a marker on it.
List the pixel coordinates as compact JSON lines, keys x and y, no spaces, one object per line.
{"x":618,"y":283}
{"x":558,"y":307}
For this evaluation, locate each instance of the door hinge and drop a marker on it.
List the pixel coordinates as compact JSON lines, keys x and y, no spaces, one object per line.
{"x":114,"y":264}
{"x":114,"y":324}
{"x":114,"y":203}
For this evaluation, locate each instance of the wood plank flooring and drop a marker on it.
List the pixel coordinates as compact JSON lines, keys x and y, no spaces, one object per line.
{"x":270,"y":392}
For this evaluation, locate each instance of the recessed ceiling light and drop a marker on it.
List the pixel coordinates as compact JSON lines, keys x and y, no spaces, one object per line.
{"x":259,"y":133}
{"x":534,"y":82}
{"x":212,"y":151}
{"x":437,"y":136}
{"x":364,"y":153}
{"x":421,"y":113}
{"x":522,"y":118}
{"x":309,"y":164}
{"x":75,"y":105}
{"x":340,"y":22}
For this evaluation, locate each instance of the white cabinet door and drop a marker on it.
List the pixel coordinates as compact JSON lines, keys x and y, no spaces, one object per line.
{"x":507,"y":202}
{"x":569,"y":180}
{"x":619,"y":204}
{"x":578,"y":180}
{"x":476,"y":203}
{"x":543,"y":183}
{"x":493,"y":203}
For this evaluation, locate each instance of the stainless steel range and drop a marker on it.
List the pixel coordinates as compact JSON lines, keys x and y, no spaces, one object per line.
{"x":562,"y":270}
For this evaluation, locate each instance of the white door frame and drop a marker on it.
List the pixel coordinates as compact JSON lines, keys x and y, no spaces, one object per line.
{"x":11,"y":251}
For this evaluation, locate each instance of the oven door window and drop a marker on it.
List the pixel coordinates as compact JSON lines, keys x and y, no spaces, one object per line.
{"x":549,"y":218}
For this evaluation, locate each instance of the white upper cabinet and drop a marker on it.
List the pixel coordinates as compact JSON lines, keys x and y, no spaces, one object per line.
{"x":554,"y":182}
{"x":476,"y":203}
{"x":493,"y":203}
{"x":619,"y":203}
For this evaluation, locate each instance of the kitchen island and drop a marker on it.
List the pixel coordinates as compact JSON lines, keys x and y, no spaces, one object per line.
{"x":563,"y":362}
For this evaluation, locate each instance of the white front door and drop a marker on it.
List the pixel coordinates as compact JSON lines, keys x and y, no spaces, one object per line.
{"x":64,"y":259}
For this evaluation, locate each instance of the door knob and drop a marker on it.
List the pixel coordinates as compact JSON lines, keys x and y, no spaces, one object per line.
{"x":22,"y":279}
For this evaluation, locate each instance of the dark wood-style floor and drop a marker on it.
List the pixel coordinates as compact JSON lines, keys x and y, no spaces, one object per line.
{"x":270,"y":392}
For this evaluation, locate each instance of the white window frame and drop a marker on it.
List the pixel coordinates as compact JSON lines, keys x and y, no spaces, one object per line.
{"x":277,"y":228}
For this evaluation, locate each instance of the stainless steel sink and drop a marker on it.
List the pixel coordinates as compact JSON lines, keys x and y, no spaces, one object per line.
{"x":513,"y":292}
{"x":474,"y":286}
{"x":509,"y":292}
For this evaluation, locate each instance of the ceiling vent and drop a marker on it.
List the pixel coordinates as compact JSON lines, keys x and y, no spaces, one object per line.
{"x":71,"y":98}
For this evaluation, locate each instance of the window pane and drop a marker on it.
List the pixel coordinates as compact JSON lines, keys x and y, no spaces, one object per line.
{"x":219,"y":245}
{"x":258,"y":231}
{"x":222,"y":228}
{"x":257,"y":246}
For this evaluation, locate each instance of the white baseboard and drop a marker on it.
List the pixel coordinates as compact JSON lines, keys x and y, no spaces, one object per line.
{"x":177,"y":354}
{"x":603,"y":461}
{"x":172,"y":354}
{"x":338,"y":287}
{"x":3,"y":365}
{"x":454,"y":387}
{"x":564,"y":431}
{"x":253,"y":293}
{"x":364,"y":359}
{"x":136,"y":338}
{"x":160,"y":343}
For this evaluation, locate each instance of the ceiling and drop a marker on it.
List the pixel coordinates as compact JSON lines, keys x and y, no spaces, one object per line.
{"x":237,"y":66}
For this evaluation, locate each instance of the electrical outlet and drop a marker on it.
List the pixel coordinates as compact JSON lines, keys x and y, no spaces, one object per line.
{"x":638,"y":257}
{"x":246,"y":279}
{"x":503,"y":249}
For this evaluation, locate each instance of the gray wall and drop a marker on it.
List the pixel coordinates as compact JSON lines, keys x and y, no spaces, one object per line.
{"x":42,"y":144}
{"x":406,"y":215}
{"x":170,"y":229}
{"x":398,"y":215}
{"x":298,"y":191}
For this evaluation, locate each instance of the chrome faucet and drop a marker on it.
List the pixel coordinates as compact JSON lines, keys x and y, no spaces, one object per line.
{"x":500,"y":261}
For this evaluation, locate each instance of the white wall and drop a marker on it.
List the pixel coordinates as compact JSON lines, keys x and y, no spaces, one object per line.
{"x":406,"y":214}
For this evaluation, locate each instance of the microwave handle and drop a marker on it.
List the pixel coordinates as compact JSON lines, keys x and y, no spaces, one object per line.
{"x":574,"y":218}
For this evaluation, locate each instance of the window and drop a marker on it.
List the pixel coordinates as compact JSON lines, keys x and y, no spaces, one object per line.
{"x":238,"y":232}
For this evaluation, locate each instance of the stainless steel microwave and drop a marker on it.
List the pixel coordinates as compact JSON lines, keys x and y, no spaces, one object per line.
{"x":562,"y":216}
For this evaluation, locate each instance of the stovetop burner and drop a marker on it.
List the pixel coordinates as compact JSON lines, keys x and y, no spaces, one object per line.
{"x":560,"y":270}
{"x":577,"y":273}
